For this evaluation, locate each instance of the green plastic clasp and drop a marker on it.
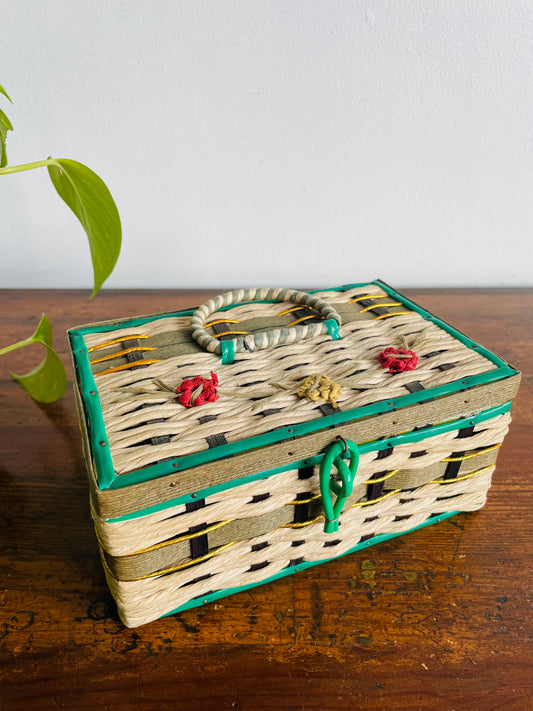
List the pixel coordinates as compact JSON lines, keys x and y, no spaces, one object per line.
{"x":334,"y":457}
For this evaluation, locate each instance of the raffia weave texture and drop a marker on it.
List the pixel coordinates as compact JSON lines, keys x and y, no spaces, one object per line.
{"x":242,"y":563}
{"x":128,"y":537}
{"x":136,"y":412}
{"x":188,"y":530}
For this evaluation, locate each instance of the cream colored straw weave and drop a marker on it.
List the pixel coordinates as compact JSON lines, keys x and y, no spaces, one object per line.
{"x":125,"y":395}
{"x":177,"y":530}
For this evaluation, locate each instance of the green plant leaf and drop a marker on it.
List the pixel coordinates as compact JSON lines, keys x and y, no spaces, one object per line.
{"x":5,"y":126}
{"x":43,"y":334}
{"x":4,"y":92}
{"x":48,"y":381}
{"x":90,"y":200}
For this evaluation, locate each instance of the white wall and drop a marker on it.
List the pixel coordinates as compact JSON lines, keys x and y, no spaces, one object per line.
{"x":274,"y":142}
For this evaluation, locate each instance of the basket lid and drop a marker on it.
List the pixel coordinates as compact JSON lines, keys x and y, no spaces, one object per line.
{"x":156,"y":402}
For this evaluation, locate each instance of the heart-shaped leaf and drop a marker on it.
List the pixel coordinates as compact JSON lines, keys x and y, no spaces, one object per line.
{"x":4,"y":92}
{"x":89,"y":199}
{"x":5,"y":126}
{"x":48,"y":381}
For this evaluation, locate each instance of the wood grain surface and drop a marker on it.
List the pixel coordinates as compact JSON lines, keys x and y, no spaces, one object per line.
{"x":438,"y":619}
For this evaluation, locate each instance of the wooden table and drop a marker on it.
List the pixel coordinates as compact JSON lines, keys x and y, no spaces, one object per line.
{"x":438,"y":619}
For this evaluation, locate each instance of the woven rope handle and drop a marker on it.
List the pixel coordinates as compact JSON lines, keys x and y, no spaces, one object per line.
{"x":265,"y":339}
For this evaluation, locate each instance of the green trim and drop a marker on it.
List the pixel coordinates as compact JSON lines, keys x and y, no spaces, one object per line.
{"x":375,"y":446}
{"x":107,"y":478}
{"x":91,"y":400}
{"x":333,"y":329}
{"x":228,"y":352}
{"x":204,"y":599}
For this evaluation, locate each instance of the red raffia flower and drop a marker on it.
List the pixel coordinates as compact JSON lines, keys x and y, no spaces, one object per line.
{"x":197,"y":391}
{"x":396,"y":360}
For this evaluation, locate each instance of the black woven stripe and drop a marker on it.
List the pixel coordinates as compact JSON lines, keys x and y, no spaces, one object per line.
{"x":258,"y":566}
{"x":206,"y":418}
{"x":327,"y":409}
{"x":374,"y":491}
{"x":452,"y":468}
{"x":132,"y":357}
{"x":302,"y":313}
{"x":161,"y":439}
{"x":260,"y":546}
{"x":256,"y":498}
{"x":446,"y":366}
{"x":216,"y":440}
{"x":306,"y":472}
{"x":383,"y":453}
{"x":200,"y":545}
{"x":199,"y":579}
{"x":330,"y":544}
{"x":414,"y":387}
{"x":301,"y":511}
{"x":376,"y":309}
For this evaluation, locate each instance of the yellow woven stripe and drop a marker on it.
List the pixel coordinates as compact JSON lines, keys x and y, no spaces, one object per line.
{"x":134,"y":337}
{"x":303,"y":501}
{"x":126,"y":366}
{"x":383,"y":478}
{"x":304,"y":318}
{"x":220,"y":320}
{"x":380,"y":306}
{"x":461,"y":478}
{"x":231,"y":333}
{"x":174,"y":568}
{"x":294,"y":308}
{"x":394,"y":313}
{"x":369,"y":296}
{"x":375,"y":501}
{"x":302,"y":525}
{"x":118,"y":354}
{"x":471,"y":456}
{"x":188,"y":563}
{"x":187,"y":537}
{"x":359,"y":503}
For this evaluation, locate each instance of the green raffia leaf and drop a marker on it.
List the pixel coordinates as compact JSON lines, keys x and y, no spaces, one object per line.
{"x":5,"y":126}
{"x":4,"y":92}
{"x":90,"y":200}
{"x":48,"y":381}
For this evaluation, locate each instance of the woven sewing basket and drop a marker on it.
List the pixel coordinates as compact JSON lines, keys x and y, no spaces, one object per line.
{"x":270,"y":430}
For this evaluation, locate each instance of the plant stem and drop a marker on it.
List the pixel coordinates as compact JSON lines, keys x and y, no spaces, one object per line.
{"x":25,"y":166}
{"x":14,"y":346}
